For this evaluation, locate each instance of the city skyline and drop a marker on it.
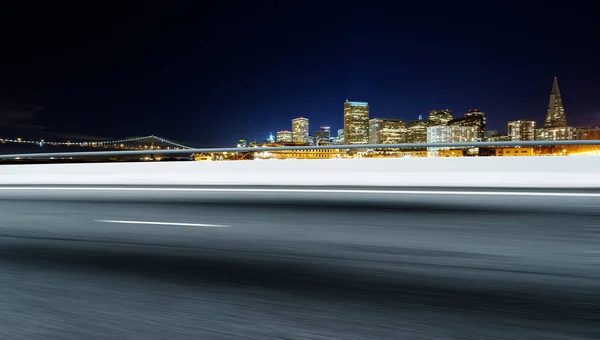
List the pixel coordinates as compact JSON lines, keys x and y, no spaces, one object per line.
{"x":180,"y":73}
{"x":553,"y":127}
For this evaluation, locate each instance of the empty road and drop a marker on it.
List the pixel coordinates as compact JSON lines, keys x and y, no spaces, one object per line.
{"x":298,"y":263}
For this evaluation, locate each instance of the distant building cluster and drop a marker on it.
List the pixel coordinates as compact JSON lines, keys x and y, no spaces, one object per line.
{"x":441,"y":126}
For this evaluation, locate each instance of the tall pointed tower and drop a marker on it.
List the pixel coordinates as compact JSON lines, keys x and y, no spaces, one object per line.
{"x":555,"y":116}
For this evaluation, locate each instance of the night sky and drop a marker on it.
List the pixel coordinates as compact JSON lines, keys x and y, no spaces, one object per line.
{"x":207,"y":75}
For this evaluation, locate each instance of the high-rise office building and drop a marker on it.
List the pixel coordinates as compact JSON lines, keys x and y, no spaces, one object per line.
{"x":356,"y":122}
{"x":555,"y":115}
{"x":340,"y":136}
{"x":387,"y":131}
{"x":300,"y":130}
{"x":440,"y":117}
{"x":417,"y":131}
{"x":374,"y":130}
{"x":284,"y":136}
{"x":449,"y":134}
{"x":323,"y":135}
{"x":519,"y":130}
{"x":472,"y":118}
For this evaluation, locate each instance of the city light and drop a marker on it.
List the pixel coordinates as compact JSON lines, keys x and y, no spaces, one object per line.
{"x":441,"y":126}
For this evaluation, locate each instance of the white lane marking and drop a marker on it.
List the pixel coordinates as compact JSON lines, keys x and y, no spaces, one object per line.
{"x":333,"y":191}
{"x":165,"y":223}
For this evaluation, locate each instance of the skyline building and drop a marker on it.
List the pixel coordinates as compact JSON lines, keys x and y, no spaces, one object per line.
{"x":387,"y":131}
{"x":323,"y":135}
{"x":356,"y":122}
{"x":500,"y":137}
{"x":358,"y":129}
{"x":556,"y":133}
{"x":585,"y":133}
{"x":440,"y":117}
{"x":472,"y":118}
{"x":449,"y":134}
{"x":300,"y":130}
{"x":374,"y":130}
{"x":284,"y":136}
{"x":521,"y":130}
{"x":417,"y":131}
{"x":489,"y":134}
{"x":555,"y":115}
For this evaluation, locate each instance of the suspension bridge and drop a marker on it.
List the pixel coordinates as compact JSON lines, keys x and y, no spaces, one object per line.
{"x":151,"y":142}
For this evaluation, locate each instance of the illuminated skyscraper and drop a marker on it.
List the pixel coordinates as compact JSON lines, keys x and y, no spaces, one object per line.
{"x":519,"y":130}
{"x":387,"y":131}
{"x":555,"y":125}
{"x":417,"y":131}
{"x":300,"y":130}
{"x":472,"y":118}
{"x":284,"y":136}
{"x":323,"y":135}
{"x":341,"y":136}
{"x":374,"y":130}
{"x":449,"y":134}
{"x":356,"y":122}
{"x":440,"y":117}
{"x":555,"y":116}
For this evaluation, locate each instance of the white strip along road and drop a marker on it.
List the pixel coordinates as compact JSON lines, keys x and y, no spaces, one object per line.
{"x":301,"y":190}
{"x":179,"y":224}
{"x":475,"y":172}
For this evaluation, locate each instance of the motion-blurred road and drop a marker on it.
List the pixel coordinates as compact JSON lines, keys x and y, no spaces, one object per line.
{"x":88,"y":263}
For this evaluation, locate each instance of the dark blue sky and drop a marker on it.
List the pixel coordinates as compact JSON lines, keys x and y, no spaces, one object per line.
{"x":208,"y":75}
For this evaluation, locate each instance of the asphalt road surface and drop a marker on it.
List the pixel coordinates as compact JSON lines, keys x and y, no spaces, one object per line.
{"x":281,"y":263}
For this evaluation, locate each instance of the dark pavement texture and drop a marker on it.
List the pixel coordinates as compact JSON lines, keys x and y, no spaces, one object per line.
{"x":298,"y":266}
